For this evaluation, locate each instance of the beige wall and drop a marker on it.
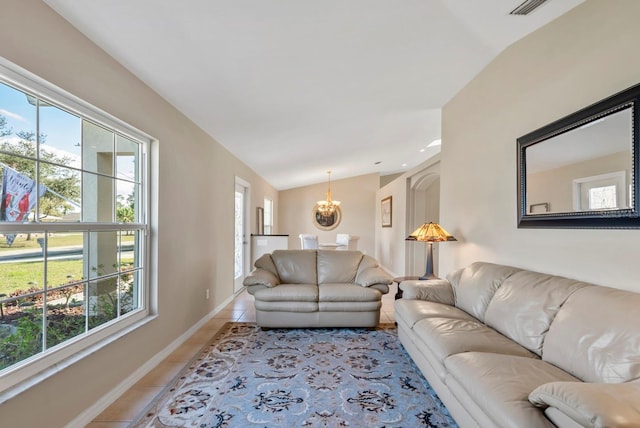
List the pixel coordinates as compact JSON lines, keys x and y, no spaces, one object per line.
{"x":357,"y":201}
{"x":194,"y":246}
{"x":577,"y":60}
{"x":386,"y":179}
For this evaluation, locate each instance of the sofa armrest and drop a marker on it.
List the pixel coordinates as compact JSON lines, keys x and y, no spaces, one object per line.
{"x":592,"y":404}
{"x":433,"y":290}
{"x":372,"y":275}
{"x":261,"y":276}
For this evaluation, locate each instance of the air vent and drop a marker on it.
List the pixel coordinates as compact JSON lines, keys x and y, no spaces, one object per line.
{"x":527,"y":7}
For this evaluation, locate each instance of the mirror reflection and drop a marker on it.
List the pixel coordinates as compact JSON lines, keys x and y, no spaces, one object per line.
{"x":588,"y":168}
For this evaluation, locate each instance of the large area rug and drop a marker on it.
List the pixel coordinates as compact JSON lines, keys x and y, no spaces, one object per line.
{"x":350,"y":377}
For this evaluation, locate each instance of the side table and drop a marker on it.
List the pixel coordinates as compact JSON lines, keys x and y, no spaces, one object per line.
{"x":398,"y":280}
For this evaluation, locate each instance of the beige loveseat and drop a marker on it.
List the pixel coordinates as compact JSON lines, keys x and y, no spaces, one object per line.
{"x":316,"y":288}
{"x":505,"y":347}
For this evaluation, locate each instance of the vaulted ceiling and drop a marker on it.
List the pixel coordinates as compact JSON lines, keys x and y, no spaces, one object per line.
{"x":298,"y":87}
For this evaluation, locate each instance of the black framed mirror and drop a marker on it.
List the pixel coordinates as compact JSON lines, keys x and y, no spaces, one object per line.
{"x":582,"y":171}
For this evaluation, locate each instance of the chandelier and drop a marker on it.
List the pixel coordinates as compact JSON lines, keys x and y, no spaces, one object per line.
{"x":328,"y":207}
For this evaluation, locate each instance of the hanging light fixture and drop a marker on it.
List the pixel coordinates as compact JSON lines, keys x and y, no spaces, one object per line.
{"x":328,"y":207}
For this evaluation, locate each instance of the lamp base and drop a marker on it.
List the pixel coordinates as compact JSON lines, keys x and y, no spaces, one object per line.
{"x":428,"y":273}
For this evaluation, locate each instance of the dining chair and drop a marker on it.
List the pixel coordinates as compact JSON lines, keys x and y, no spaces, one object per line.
{"x":342,"y":240}
{"x":308,"y":242}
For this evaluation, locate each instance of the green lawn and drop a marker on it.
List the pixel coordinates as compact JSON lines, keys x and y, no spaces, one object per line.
{"x":17,"y":276}
{"x":55,"y":240}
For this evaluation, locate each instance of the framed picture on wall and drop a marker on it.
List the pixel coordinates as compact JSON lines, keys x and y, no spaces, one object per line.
{"x":386,"y":211}
{"x":539,"y":208}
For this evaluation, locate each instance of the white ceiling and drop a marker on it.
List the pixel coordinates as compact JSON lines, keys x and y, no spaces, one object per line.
{"x":595,"y":139}
{"x":298,"y":87}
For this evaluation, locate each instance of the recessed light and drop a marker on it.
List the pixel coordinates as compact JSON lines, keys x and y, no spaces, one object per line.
{"x":404,"y":164}
{"x":435,"y":143}
{"x":377,"y":163}
{"x":422,"y":150}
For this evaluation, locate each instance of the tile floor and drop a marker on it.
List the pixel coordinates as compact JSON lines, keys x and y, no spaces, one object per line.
{"x":132,"y":402}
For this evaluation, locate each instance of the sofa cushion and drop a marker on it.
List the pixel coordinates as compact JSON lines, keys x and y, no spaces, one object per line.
{"x":296,"y":266}
{"x":261,"y":277}
{"x":412,"y":311}
{"x":382,"y":288}
{"x":352,"y":307}
{"x":476,"y":284}
{"x":595,"y":335}
{"x":367,"y":262}
{"x":592,"y":404}
{"x":526,"y":304}
{"x":500,"y":385}
{"x":446,"y":336}
{"x":284,"y":306}
{"x":338,"y":266}
{"x":433,"y":290}
{"x":372,"y":276}
{"x":288,"y":293}
{"x":347,"y":293}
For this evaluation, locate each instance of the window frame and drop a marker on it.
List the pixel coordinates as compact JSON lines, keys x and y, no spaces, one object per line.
{"x":30,"y":371}
{"x":585,"y":184}
{"x":268,"y":217}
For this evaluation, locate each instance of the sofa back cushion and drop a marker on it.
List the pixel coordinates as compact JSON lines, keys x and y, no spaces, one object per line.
{"x":296,"y":266}
{"x":338,"y":266}
{"x":474,"y":286}
{"x":525,"y":305}
{"x":596,"y":335}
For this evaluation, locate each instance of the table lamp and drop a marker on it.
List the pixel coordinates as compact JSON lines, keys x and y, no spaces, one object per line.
{"x":430,"y":233}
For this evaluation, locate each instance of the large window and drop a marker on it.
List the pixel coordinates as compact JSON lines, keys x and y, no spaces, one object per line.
{"x":601,"y":192}
{"x":72,"y":226}
{"x":268,"y":216}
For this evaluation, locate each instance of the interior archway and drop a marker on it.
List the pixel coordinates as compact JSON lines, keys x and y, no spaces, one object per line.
{"x":423,"y":206}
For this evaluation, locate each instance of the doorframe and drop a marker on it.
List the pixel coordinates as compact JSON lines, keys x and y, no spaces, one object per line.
{"x":246,"y":225}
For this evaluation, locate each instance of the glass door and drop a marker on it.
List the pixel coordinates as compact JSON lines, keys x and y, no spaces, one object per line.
{"x":240,"y":252}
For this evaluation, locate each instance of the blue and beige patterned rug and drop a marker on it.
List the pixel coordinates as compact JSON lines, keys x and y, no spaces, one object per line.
{"x":348,"y":377}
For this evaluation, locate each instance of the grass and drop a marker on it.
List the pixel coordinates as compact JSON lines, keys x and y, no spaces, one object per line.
{"x":21,"y":276}
{"x":18,"y":276}
{"x":55,"y":240}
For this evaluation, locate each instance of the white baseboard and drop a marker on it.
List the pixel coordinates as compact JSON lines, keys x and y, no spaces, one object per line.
{"x":109,"y":398}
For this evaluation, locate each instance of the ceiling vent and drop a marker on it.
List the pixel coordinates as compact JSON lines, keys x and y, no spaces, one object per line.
{"x":527,"y":7}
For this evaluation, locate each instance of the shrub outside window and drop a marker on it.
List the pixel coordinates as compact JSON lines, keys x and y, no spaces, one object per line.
{"x":72,"y":225}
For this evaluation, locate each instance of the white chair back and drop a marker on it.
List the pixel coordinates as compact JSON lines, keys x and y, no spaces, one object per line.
{"x":309,"y":242}
{"x":342,"y":240}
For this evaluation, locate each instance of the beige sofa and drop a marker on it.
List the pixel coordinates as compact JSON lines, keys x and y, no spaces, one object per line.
{"x":316,"y":288}
{"x":505,"y":347}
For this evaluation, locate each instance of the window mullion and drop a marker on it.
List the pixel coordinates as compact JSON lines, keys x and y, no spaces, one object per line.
{"x":37,"y":177}
{"x":44,"y":291}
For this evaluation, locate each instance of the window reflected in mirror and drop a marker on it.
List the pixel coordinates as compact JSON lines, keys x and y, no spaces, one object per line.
{"x":584,"y":169}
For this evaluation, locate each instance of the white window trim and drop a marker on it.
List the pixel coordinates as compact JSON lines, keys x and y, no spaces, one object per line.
{"x":35,"y":369}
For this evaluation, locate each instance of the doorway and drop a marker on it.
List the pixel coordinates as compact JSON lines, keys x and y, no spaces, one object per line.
{"x":241,"y":253}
